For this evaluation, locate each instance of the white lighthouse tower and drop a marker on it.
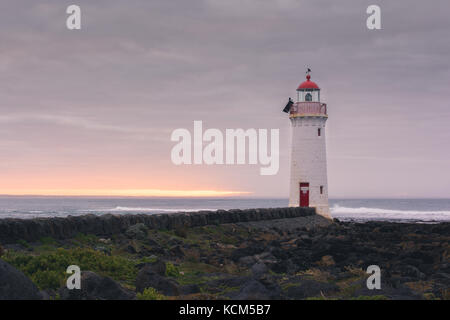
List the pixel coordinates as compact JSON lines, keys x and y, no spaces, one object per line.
{"x":308,"y":186}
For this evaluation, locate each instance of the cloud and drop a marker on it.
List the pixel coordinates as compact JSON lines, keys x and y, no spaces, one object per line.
{"x":71,"y":121}
{"x":139,"y":69}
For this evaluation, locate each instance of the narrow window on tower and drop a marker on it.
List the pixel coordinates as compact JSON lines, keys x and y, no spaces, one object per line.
{"x":308,"y":97}
{"x":318,"y":132}
{"x":321,"y":189}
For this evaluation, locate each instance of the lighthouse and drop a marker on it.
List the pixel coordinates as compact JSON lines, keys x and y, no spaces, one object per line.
{"x":308,"y":176}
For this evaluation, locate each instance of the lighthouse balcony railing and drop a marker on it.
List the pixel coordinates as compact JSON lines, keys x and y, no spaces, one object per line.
{"x":309,"y":109}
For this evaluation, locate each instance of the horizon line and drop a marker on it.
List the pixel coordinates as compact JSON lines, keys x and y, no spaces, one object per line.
{"x":205,"y":194}
{"x":122,"y":193}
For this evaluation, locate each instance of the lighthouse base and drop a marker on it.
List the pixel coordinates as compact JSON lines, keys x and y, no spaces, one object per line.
{"x":323,"y":211}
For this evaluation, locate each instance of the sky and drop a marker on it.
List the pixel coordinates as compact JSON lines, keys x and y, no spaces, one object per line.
{"x":91,"y":111}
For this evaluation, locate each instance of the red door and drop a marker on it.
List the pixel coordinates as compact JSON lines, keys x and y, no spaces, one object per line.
{"x":304,"y":194}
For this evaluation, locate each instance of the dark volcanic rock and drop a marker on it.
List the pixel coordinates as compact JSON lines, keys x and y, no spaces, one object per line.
{"x":247,"y":261}
{"x":13,"y":230}
{"x":166,"y":286}
{"x":95,"y":287}
{"x":130,"y":249}
{"x":253,"y":290}
{"x":410,"y":271}
{"x":152,"y":276}
{"x":227,"y":282}
{"x":14,"y":285}
{"x":259,"y":269}
{"x":190,"y":289}
{"x":158,"y":267}
{"x":286,"y":266}
{"x":250,"y":250}
{"x":401,"y":292}
{"x":310,"y":288}
{"x":414,"y":258}
{"x":137,"y":231}
{"x":176,"y":251}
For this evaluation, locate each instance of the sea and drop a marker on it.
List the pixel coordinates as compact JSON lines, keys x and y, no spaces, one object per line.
{"x":358,"y":210}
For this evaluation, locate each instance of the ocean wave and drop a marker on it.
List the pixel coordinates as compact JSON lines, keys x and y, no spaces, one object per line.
{"x":36,"y":214}
{"x":143,"y":209}
{"x":389,"y":214}
{"x":337,"y":211}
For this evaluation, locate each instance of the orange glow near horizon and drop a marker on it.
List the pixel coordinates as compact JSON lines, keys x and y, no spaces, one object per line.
{"x":124,"y":193}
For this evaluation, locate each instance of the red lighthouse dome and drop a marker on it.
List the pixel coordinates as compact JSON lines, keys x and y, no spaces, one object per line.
{"x":308,"y":84}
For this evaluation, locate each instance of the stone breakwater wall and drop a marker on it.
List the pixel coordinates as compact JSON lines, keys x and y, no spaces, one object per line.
{"x":12,"y":230}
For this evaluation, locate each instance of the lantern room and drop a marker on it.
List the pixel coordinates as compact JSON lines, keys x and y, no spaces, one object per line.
{"x":308,"y":91}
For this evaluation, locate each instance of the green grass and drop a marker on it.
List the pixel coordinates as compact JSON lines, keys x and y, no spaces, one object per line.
{"x":196,"y":273}
{"x":48,"y":270}
{"x":171,"y":270}
{"x":150,"y":294}
{"x":85,"y":239}
{"x":23,"y":243}
{"x":46,"y":264}
{"x":48,"y":241}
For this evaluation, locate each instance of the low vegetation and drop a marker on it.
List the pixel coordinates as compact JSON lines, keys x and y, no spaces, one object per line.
{"x":48,"y":270}
{"x":150,"y":294}
{"x":235,"y":261}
